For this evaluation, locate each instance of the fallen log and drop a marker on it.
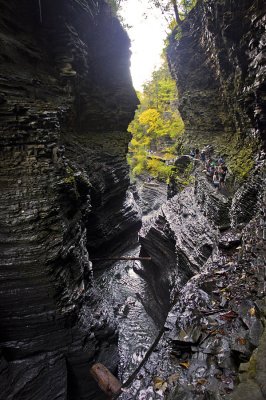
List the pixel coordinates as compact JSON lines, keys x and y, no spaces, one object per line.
{"x":108,"y":383}
{"x":121,"y":258}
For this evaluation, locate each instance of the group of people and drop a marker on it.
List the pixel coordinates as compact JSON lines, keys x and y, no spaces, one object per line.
{"x":215,"y":169}
{"x":195,"y":153}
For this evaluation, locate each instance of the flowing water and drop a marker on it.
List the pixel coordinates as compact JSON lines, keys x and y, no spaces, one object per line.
{"x":127,"y":293}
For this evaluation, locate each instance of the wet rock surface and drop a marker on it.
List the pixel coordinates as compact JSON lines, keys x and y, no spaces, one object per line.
{"x":65,"y":102}
{"x":213,"y":203}
{"x":127,"y":294}
{"x":179,"y":241}
{"x":245,"y":202}
{"x":218,"y":314}
{"x":219,"y":66}
{"x":66,"y":99}
{"x":151,"y":194}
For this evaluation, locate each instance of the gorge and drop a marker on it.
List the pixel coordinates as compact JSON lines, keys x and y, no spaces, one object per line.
{"x":189,"y":324}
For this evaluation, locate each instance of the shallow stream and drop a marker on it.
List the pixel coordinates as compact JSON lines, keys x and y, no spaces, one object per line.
{"x":127,"y":293}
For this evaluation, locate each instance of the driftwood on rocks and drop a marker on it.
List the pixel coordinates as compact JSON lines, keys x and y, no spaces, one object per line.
{"x":105,"y":379}
{"x":121,"y":258}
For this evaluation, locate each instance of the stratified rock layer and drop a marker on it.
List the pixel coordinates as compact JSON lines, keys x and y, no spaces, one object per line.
{"x":179,"y":240}
{"x":151,"y":194}
{"x":65,"y":102}
{"x":213,"y":279}
{"x":217,"y":57}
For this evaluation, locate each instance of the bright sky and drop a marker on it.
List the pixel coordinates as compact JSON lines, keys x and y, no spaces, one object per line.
{"x":147,"y":36}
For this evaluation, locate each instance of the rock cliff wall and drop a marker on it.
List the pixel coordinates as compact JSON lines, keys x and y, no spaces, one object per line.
{"x":207,"y":266}
{"x":217,"y":57}
{"x":66,"y":99}
{"x":208,"y":250}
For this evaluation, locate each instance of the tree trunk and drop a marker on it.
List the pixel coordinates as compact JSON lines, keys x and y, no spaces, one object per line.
{"x":120,"y":258}
{"x":177,"y":17}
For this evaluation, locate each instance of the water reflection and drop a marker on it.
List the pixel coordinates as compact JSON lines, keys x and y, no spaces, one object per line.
{"x":126,"y":292}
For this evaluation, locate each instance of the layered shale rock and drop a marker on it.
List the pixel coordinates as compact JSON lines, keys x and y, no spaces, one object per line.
{"x":215,"y":281}
{"x":150,"y":195}
{"x":213,"y":203}
{"x":65,"y":102}
{"x":217,"y":57}
{"x":245,"y":201}
{"x":179,"y":240}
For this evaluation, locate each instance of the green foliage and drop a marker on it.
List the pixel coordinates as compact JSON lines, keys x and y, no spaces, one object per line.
{"x":185,"y":6}
{"x":186,"y":178}
{"x":156,"y":127}
{"x":159,"y":169}
{"x":70,"y":178}
{"x":150,"y":118}
{"x":138,"y":163}
{"x":182,"y":175}
{"x":183,"y":182}
{"x":242,"y":163}
{"x":116,"y":7}
{"x":174,"y":9}
{"x":178,"y":33}
{"x":238,"y":152}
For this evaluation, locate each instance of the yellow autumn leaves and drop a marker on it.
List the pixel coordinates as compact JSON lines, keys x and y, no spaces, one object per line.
{"x":156,"y":127}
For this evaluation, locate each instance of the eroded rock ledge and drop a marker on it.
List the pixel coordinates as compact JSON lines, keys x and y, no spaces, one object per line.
{"x":66,"y":99}
{"x":213,"y":279}
{"x":217,"y":57}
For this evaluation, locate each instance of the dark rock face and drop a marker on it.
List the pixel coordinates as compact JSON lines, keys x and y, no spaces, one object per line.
{"x":150,"y":195}
{"x":215,"y":281}
{"x":218,"y":61}
{"x":179,"y":241}
{"x":208,"y":251}
{"x":65,"y":102}
{"x":245,"y":202}
{"x":219,"y":66}
{"x":213,"y":203}
{"x":181,"y":173}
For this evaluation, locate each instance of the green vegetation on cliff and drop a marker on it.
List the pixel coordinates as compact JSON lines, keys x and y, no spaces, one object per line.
{"x":170,"y":9}
{"x":156,"y":127}
{"x":177,"y":9}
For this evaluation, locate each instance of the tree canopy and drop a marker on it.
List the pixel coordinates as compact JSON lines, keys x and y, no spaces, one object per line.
{"x":174,"y":8}
{"x":156,"y":126}
{"x":171,"y":9}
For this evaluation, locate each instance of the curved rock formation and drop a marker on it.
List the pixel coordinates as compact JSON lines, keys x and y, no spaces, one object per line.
{"x":179,"y":240}
{"x":151,"y":194}
{"x":66,"y":99}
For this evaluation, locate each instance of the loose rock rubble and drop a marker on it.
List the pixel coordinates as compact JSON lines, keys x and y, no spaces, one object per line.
{"x":217,"y":319}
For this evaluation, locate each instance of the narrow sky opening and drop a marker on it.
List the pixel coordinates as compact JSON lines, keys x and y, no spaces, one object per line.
{"x":147,"y":34}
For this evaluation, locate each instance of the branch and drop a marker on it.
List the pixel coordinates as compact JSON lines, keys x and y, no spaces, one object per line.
{"x":177,"y":16}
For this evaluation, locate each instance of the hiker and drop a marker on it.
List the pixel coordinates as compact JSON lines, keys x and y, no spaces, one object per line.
{"x":203,"y":156}
{"x":215,"y":180}
{"x":208,"y":168}
{"x":197,"y":154}
{"x":192,"y":153}
{"x":220,"y":160}
{"x":208,"y":163}
{"x":222,"y":175}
